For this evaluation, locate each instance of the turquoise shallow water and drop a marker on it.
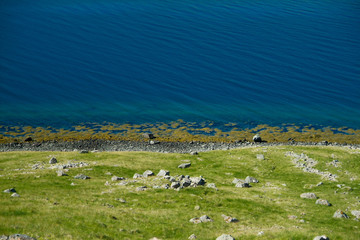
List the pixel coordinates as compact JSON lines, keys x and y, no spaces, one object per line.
{"x":68,"y":62}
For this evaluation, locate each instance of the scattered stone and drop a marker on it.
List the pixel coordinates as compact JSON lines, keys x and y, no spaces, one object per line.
{"x":81,"y":176}
{"x":184,"y":165}
{"x":212,"y":185}
{"x":260,"y":233}
{"x":153,"y":142}
{"x":205,"y":218}
{"x":165,"y":186}
{"x":302,"y":221}
{"x":108,"y":173}
{"x":72,"y":184}
{"x":137,"y":175}
{"x":194,"y":153}
{"x":196,"y":181}
{"x":249,"y":179}
{"x":61,"y":173}
{"x":260,"y":156}
{"x":356,"y":213}
{"x":197,"y":207}
{"x":120,"y":200}
{"x":53,"y":160}
{"x":140,"y":189}
{"x":10,"y":190}
{"x":225,"y":237}
{"x":323,"y":237}
{"x":195,"y":220}
{"x":323,"y":202}
{"x":20,"y":237}
{"x":242,"y":185}
{"x":15,"y":195}
{"x":163,"y":173}
{"x":257,"y":138}
{"x":340,"y":214}
{"x":84,"y":151}
{"x":156,"y":187}
{"x":171,"y":179}
{"x":115,"y":178}
{"x":175,"y":185}
{"x":308,"y":195}
{"x":192,"y":236}
{"x":148,"y":135}
{"x":319,"y":184}
{"x":292,"y":217}
{"x":229,"y":219}
{"x":148,"y":173}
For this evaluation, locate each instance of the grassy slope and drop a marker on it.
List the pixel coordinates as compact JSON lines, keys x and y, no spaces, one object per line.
{"x":82,"y":211}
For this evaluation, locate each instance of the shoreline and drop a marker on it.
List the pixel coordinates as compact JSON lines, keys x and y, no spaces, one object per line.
{"x":85,"y":146}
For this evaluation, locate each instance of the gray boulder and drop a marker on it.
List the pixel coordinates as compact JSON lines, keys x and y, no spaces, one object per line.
{"x":185,"y":182}
{"x":10,"y":190}
{"x":225,"y":237}
{"x":260,"y":156}
{"x":249,"y":179}
{"x":175,"y":185}
{"x":148,"y":173}
{"x":323,"y":237}
{"x":136,"y":175}
{"x":53,"y":160}
{"x":15,"y":195}
{"x":242,"y":185}
{"x":148,"y":135}
{"x":192,"y":236}
{"x":163,"y":173}
{"x":195,"y":220}
{"x":115,"y":178}
{"x":257,"y":138}
{"x":323,"y":202}
{"x":184,"y":165}
{"x":81,"y":176}
{"x":340,"y":214}
{"x":308,"y":195}
{"x":229,"y":219}
{"x":205,"y":218}
{"x":196,"y":181}
{"x":61,"y":173}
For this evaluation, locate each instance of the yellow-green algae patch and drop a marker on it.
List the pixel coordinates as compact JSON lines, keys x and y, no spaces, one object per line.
{"x":180,"y":131}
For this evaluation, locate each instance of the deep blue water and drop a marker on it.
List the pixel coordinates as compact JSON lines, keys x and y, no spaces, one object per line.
{"x":64,"y":62}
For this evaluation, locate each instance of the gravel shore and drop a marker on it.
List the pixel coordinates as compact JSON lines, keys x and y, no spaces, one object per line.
{"x":150,"y":146}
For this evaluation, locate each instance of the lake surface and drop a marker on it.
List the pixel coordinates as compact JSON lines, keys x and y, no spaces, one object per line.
{"x":66,"y":62}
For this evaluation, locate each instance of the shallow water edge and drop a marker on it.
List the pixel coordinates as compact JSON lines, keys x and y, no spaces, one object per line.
{"x":180,"y":131}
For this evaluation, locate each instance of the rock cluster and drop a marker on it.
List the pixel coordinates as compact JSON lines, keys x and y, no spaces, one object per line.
{"x":240,"y":183}
{"x":201,"y":219}
{"x":307,"y":164}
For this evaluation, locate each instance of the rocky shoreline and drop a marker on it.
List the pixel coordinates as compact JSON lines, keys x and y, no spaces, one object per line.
{"x":148,"y":146}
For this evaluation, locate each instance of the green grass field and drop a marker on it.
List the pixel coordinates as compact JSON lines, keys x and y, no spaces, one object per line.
{"x":49,"y":207}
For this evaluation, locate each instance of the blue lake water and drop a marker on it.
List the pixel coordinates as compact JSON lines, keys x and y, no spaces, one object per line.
{"x":65,"y":62}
